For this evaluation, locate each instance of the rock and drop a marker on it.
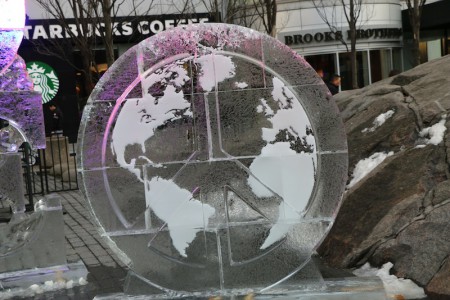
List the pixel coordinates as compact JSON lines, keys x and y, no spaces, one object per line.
{"x":383,"y":90}
{"x":400,"y":211}
{"x":439,"y":287}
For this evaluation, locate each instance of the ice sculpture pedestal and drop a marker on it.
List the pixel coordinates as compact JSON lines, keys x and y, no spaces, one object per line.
{"x":312,"y":287}
{"x":33,"y":249}
{"x":59,"y":276}
{"x":32,"y":246}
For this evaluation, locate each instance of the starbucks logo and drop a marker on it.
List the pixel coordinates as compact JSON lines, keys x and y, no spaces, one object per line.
{"x":44,"y":79}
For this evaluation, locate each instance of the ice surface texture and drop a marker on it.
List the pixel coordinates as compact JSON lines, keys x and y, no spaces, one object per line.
{"x":20,"y":104}
{"x":35,"y":240}
{"x":214,"y":158}
{"x":11,"y":182}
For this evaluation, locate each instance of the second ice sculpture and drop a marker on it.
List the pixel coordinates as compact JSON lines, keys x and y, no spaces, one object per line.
{"x":32,"y":245}
{"x":213,"y":159}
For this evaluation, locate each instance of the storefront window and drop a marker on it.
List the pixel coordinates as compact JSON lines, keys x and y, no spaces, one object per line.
{"x":324,"y":62}
{"x":397,"y":59}
{"x":448,"y":46}
{"x":434,"y":49}
{"x":380,"y":64}
{"x":373,"y":65}
{"x":423,"y":52}
{"x":345,"y":69}
{"x":431,"y":45}
{"x":447,"y":42}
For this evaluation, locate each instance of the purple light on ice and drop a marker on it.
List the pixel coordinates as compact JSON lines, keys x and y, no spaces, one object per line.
{"x":12,"y":22}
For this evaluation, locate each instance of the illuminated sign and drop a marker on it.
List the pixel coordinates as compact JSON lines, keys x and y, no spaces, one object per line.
{"x":125,"y":29}
{"x":44,"y":79}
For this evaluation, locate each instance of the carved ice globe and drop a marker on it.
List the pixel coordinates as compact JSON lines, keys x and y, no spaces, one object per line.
{"x":213,"y":159}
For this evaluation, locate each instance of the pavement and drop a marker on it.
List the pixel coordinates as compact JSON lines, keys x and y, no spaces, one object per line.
{"x":83,"y":242}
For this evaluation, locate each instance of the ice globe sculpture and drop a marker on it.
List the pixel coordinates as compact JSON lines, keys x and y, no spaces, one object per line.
{"x":214,"y":160}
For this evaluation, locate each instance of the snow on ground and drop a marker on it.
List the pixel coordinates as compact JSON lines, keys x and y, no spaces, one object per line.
{"x":379,"y":121}
{"x":365,"y":166}
{"x":395,"y":287}
{"x":433,"y":135}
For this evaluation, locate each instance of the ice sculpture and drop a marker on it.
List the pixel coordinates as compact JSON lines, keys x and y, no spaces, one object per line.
{"x":20,"y":105}
{"x":12,"y":21}
{"x":213,"y":159}
{"x":32,"y":245}
{"x":21,"y":118}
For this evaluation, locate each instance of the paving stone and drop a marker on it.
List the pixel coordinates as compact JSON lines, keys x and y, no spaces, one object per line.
{"x":84,"y":243}
{"x":90,"y":261}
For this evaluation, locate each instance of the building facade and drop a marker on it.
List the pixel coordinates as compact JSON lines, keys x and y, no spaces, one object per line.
{"x":60,"y":79}
{"x":434,"y":32}
{"x":321,"y":34}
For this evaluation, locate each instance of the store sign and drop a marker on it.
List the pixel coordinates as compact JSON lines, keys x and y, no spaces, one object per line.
{"x":44,"y":79}
{"x":125,"y":29}
{"x":315,"y":38}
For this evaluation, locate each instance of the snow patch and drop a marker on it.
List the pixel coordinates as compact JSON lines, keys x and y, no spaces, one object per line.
{"x":241,"y":85}
{"x":433,"y":135}
{"x":379,"y":121}
{"x":365,"y":166}
{"x":395,"y":287}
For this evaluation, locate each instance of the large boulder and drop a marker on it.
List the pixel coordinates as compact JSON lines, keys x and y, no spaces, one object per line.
{"x":400,"y":211}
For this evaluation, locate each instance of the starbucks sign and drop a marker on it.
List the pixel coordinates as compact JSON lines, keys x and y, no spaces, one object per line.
{"x":44,"y":79}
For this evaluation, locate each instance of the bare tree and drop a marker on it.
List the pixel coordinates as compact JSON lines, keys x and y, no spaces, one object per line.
{"x":267,"y":12}
{"x":415,"y":14}
{"x":327,"y":10}
{"x":94,"y":23}
{"x":256,"y":14}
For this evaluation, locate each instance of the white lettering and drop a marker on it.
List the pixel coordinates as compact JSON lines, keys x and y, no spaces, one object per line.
{"x":92,"y":29}
{"x":143,"y":27}
{"x":55,"y":31}
{"x":101,"y":27}
{"x":89,"y":30}
{"x":115,"y":29}
{"x":39,"y":32}
{"x":126,"y":28}
{"x":72,"y":29}
{"x":156,"y":26}
{"x":169,"y":24}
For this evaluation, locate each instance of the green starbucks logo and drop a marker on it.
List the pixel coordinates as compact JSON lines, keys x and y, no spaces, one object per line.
{"x":44,"y":79}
